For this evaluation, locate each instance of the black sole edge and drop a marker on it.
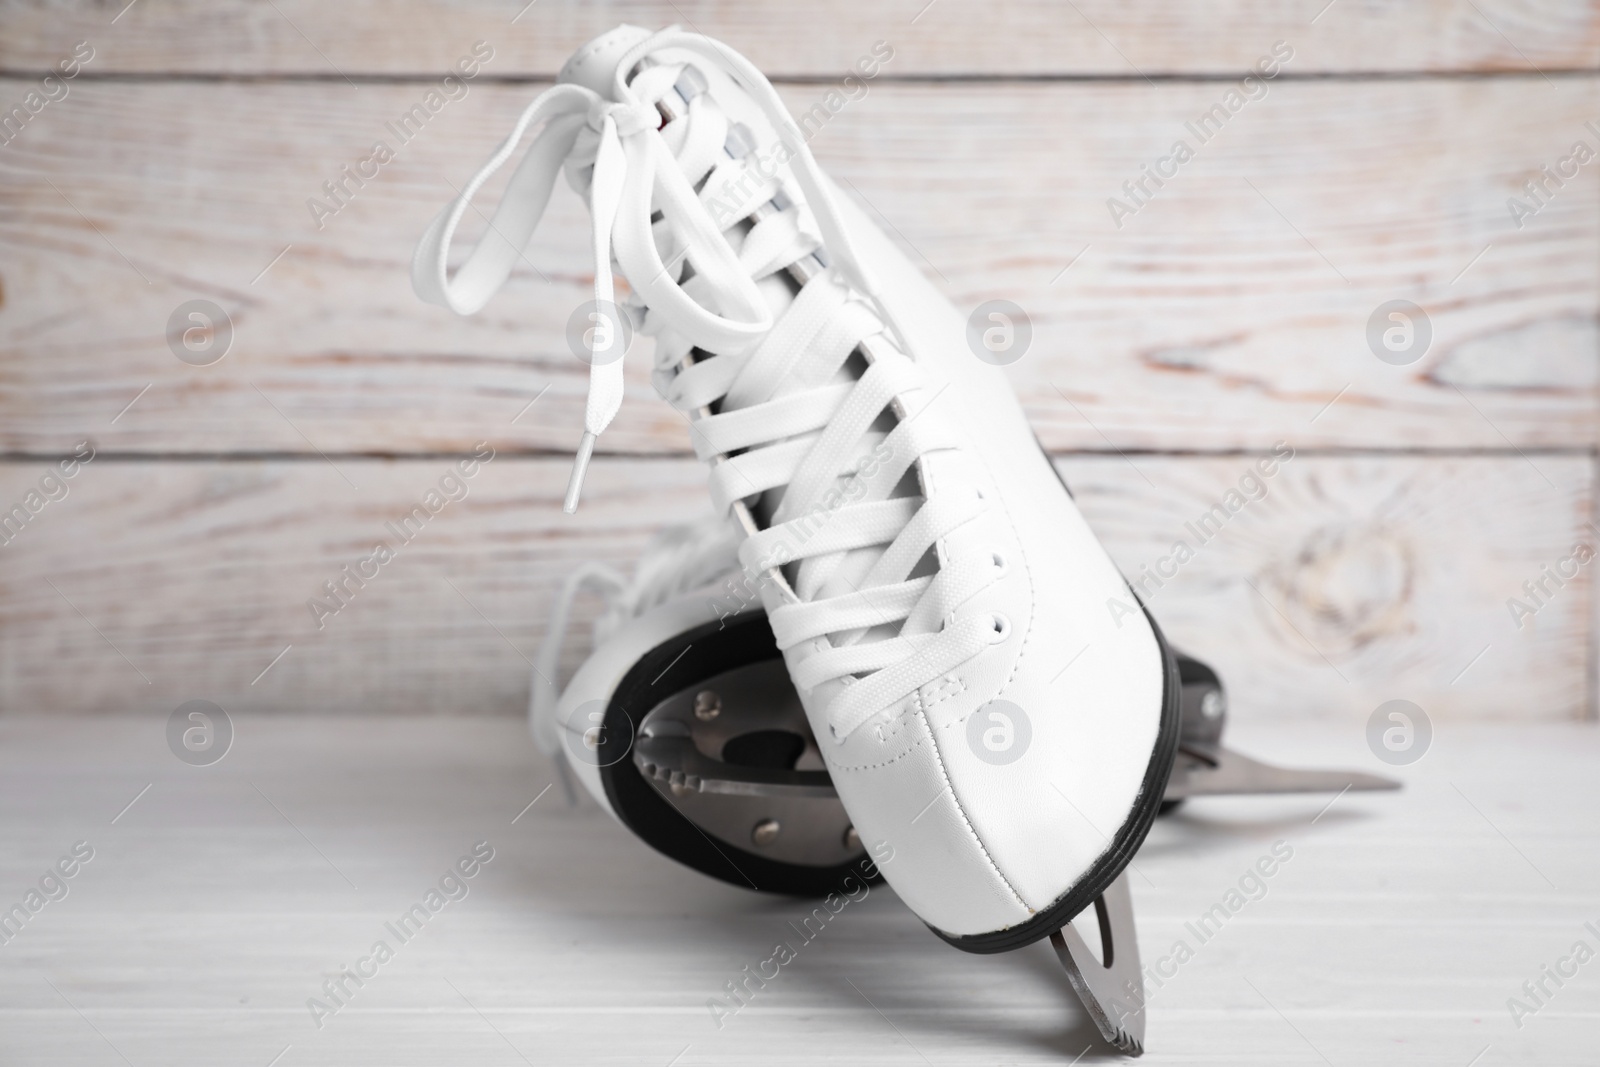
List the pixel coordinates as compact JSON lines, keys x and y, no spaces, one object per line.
{"x":1124,"y":845}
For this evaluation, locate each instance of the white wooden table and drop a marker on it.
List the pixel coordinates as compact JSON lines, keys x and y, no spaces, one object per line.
{"x":220,"y":901}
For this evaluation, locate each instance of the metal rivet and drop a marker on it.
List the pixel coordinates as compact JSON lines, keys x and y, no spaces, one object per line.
{"x":707,"y":705}
{"x":766,"y":832}
{"x":1212,"y":704}
{"x":852,"y":840}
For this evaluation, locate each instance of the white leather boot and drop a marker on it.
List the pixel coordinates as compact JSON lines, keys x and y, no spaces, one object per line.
{"x":993,"y":706}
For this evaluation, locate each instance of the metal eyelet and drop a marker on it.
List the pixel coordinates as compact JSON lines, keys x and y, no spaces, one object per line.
{"x":691,"y":83}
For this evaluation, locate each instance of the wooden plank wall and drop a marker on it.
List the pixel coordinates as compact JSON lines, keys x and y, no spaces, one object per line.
{"x":1171,"y":346}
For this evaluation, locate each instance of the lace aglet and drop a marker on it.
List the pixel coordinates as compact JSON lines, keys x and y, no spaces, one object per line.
{"x":580,"y":467}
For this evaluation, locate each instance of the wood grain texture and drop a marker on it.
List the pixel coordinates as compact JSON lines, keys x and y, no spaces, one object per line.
{"x":1378,"y":578}
{"x":1025,"y":37}
{"x":1351,"y":581}
{"x":221,"y":901}
{"x":1230,"y":311}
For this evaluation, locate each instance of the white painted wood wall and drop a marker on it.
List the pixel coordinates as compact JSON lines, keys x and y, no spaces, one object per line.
{"x":1227,"y":315}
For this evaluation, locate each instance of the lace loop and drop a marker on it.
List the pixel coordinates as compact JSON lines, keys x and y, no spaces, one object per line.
{"x":626,"y":176}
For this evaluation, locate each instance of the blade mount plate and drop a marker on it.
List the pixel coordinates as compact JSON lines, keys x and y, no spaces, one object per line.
{"x":735,"y":755}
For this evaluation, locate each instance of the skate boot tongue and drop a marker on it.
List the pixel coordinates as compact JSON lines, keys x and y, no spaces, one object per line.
{"x":594,"y":66}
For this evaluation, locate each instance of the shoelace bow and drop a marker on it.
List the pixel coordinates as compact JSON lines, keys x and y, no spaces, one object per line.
{"x":787,"y":417}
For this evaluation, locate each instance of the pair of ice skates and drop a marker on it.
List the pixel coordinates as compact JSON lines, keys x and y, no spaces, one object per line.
{"x":919,"y":653}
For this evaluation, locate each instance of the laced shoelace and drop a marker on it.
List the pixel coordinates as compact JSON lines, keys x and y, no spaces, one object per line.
{"x":772,"y":404}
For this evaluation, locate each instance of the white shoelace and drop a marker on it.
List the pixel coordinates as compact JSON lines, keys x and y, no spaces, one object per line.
{"x":771,"y":403}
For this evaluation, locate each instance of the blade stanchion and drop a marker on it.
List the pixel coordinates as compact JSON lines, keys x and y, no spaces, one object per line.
{"x":1113,"y":989}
